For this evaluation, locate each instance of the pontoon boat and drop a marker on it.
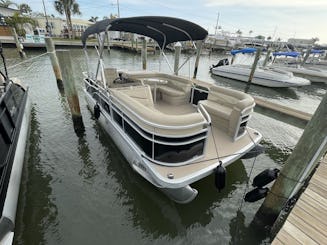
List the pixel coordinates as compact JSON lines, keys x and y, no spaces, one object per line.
{"x":172,"y":130}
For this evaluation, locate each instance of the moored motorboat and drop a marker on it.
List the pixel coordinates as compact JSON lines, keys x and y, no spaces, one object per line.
{"x":264,"y":76}
{"x":172,"y":130}
{"x":313,"y":74}
{"x":14,"y":123}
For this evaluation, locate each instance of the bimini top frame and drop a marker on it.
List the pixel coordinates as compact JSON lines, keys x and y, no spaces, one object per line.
{"x":164,"y":30}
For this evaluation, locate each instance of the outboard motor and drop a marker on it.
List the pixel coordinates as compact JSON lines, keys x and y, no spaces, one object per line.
{"x":97,"y":111}
{"x":220,"y":177}
{"x":222,"y":62}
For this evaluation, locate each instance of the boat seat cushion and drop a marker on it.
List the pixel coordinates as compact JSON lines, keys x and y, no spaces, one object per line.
{"x":226,"y":107}
{"x":170,"y":91}
{"x":140,"y":93}
{"x":216,"y":109}
{"x":152,"y":115}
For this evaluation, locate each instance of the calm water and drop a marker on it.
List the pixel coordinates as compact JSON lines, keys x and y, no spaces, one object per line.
{"x":80,"y":190}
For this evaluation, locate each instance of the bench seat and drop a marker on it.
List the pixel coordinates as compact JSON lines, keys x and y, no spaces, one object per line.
{"x":229,"y":109}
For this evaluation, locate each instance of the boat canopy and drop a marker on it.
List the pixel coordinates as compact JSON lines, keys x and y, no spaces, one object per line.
{"x":243,"y":51}
{"x":317,"y":51}
{"x":164,"y":30}
{"x":291,"y":54}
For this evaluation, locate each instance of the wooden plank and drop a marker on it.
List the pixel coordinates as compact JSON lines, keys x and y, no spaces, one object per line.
{"x":317,"y":189}
{"x":276,"y":241}
{"x":297,"y":234}
{"x":283,"y":109}
{"x":313,"y":211}
{"x":286,"y":237}
{"x":306,"y":228}
{"x":315,"y":196}
{"x":317,"y":182}
{"x":322,"y":207}
{"x":321,"y":170}
{"x":321,"y":179}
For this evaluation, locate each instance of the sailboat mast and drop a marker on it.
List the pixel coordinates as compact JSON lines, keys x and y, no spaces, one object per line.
{"x":217,"y":24}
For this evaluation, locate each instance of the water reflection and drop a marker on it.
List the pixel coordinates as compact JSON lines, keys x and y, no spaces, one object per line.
{"x":243,"y":234}
{"x":88,"y":171}
{"x":152,"y":210}
{"x":277,"y":154}
{"x":37,"y":213}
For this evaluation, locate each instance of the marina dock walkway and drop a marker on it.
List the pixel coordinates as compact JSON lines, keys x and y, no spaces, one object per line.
{"x":307,"y":222}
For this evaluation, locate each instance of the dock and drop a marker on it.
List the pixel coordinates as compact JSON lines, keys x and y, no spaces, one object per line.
{"x":124,"y":45}
{"x":283,"y":109}
{"x":307,"y":222}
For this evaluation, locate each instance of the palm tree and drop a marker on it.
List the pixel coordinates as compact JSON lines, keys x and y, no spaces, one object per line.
{"x":69,"y":8}
{"x":7,"y":3}
{"x":94,"y":19}
{"x":17,"y":21}
{"x":25,"y":8}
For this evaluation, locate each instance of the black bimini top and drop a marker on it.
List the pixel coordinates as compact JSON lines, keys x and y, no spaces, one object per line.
{"x":164,"y":30}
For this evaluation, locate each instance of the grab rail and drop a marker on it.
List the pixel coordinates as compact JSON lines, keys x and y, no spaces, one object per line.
{"x":204,"y":112}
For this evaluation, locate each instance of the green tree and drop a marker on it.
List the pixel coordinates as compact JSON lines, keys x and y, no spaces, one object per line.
{"x":7,"y":3}
{"x":67,"y":8}
{"x":25,"y":8}
{"x":17,"y":21}
{"x":260,"y":37}
{"x":239,"y":32}
{"x":94,"y":19}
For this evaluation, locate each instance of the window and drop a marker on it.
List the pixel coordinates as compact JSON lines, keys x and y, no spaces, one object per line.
{"x":117,"y":118}
{"x":180,"y":153}
{"x":105,"y":106}
{"x":144,"y":144}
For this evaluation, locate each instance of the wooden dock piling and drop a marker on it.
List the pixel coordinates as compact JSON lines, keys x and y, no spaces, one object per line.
{"x":144,"y":54}
{"x":199,"y":45}
{"x":254,"y":67}
{"x":311,"y":146}
{"x":19,"y":45}
{"x":66,"y":67}
{"x":178,"y":49}
{"x":54,"y":61}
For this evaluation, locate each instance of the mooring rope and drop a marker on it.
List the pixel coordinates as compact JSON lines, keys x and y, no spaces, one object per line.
{"x":246,"y":187}
{"x":25,"y":61}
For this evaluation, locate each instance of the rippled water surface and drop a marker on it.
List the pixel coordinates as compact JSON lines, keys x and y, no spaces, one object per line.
{"x":81,"y":190}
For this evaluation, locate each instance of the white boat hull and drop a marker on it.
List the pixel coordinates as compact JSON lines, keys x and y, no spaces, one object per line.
{"x":312,"y":74}
{"x":11,"y":201}
{"x":268,"y":78}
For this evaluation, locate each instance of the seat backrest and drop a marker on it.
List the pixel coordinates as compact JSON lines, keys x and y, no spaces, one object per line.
{"x":110,"y":75}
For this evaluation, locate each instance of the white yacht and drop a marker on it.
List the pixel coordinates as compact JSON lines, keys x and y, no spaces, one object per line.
{"x":172,"y":130}
{"x":15,"y":111}
{"x":240,"y":69}
{"x":313,"y":74}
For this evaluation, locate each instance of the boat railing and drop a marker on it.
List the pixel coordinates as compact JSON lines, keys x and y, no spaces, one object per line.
{"x":193,"y":141}
{"x":204,"y":112}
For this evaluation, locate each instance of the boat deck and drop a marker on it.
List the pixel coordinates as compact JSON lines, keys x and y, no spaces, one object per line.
{"x":307,"y":223}
{"x":174,"y":110}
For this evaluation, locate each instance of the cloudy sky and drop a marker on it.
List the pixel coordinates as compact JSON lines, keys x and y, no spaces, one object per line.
{"x":277,"y":18}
